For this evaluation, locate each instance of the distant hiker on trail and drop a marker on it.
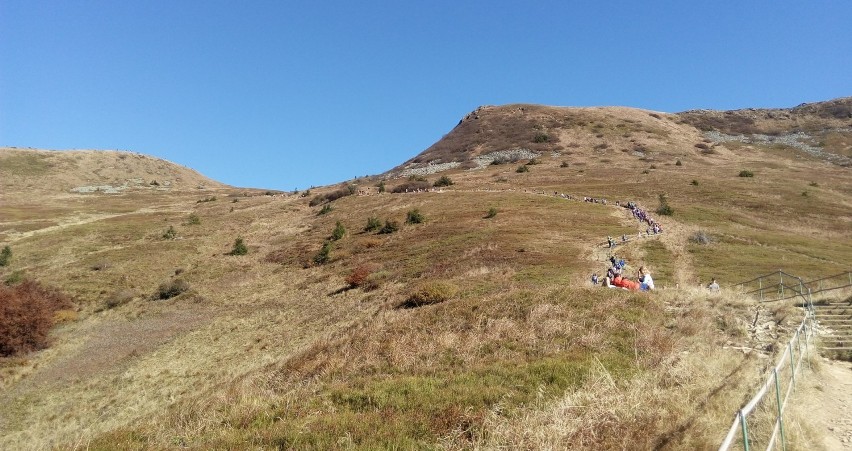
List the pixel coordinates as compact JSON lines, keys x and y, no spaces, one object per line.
{"x":645,"y":280}
{"x":595,"y":279}
{"x":713,"y":286}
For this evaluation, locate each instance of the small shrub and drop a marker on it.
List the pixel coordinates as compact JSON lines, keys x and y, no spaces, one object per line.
{"x":381,"y":186}
{"x":533,"y":162}
{"x":326,"y":209}
{"x":702,"y":146}
{"x":814,"y":184}
{"x":804,"y":194}
{"x":5,"y":256}
{"x":653,"y":166}
{"x":324,"y":255}
{"x":15,"y":278}
{"x":694,"y":182}
{"x":443,"y":181}
{"x":338,"y":232}
{"x":417,"y":178}
{"x":373,"y":223}
{"x":206,"y":199}
{"x":429,"y":293}
{"x":664,"y":208}
{"x":239,"y":248}
{"x":701,"y":237}
{"x":27,"y":313}
{"x":646,"y":171}
{"x":193,"y":219}
{"x":522,"y":169}
{"x":171,"y":289}
{"x":541,"y":138}
{"x":389,"y":227}
{"x":233,"y":201}
{"x":564,"y":164}
{"x":414,"y":217}
{"x":170,"y":234}
{"x":745,"y":173}
{"x":492,"y":212}
{"x":100,"y":266}
{"x":359,"y":276}
{"x":154,"y":183}
{"x":118,"y":299}
{"x":678,"y":163}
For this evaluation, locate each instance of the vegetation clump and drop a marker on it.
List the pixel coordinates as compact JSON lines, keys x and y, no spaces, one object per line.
{"x":326,"y":209}
{"x":27,"y":314}
{"x":429,"y":293}
{"x":206,"y":199}
{"x":373,"y":224}
{"x":324,"y":255}
{"x":5,"y":256}
{"x":522,"y":169}
{"x":541,"y":138}
{"x":414,"y":217}
{"x":171,"y":289}
{"x":701,"y":237}
{"x":193,"y":219}
{"x":389,"y":227}
{"x":694,"y":182}
{"x":239,"y":248}
{"x":564,"y":164}
{"x":746,"y":173}
{"x":443,"y":181}
{"x":381,"y":186}
{"x":338,"y":232}
{"x":170,"y":234}
{"x":412,"y":186}
{"x":492,"y":212}
{"x":332,"y":196}
{"x":664,"y":209}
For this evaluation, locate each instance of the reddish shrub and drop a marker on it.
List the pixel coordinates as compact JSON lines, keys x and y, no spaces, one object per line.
{"x":359,"y":275}
{"x":26,"y":316}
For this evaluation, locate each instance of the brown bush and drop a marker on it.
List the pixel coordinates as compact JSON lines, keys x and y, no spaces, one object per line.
{"x":360,"y":275}
{"x":26,"y":316}
{"x":429,"y":293}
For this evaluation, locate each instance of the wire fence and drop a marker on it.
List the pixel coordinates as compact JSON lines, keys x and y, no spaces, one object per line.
{"x":780,"y":286}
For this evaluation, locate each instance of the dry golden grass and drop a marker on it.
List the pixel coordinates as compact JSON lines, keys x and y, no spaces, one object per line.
{"x":269,"y":350}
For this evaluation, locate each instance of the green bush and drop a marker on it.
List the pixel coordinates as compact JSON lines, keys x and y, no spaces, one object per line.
{"x":5,"y":256}
{"x":239,"y":248}
{"x":443,"y":181}
{"x":327,"y":208}
{"x":373,"y":223}
{"x":522,"y":169}
{"x":414,"y":217}
{"x":171,"y":289}
{"x":541,"y":138}
{"x":564,"y":164}
{"x":678,"y":163}
{"x":664,"y":208}
{"x":170,"y":234}
{"x":324,"y":255}
{"x":389,"y":227}
{"x":695,"y":182}
{"x":492,"y":212}
{"x":193,"y":219}
{"x":745,"y":173}
{"x":381,"y":186}
{"x":338,"y":232}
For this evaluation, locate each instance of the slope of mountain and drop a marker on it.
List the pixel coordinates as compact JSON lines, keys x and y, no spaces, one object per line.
{"x":472,"y":323}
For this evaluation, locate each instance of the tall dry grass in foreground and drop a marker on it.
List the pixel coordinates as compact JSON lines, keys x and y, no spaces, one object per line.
{"x":556,"y":369}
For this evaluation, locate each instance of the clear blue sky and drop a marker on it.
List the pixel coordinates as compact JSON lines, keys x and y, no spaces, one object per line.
{"x":289,"y":94}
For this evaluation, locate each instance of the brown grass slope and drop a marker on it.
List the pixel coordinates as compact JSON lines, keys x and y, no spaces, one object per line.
{"x":515,"y":348}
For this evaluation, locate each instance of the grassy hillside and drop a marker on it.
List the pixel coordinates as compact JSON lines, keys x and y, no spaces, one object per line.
{"x":475,"y":327}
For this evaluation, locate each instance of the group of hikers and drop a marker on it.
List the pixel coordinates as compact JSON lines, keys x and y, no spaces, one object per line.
{"x":615,"y":277}
{"x":640,"y":214}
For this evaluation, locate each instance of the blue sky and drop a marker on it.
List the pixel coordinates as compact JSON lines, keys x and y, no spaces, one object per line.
{"x":289,"y":94}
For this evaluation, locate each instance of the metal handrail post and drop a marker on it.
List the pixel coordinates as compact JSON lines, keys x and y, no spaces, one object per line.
{"x":760,"y":285}
{"x":778,"y":403}
{"x":792,"y":364}
{"x":781,"y":281}
{"x":744,"y":425}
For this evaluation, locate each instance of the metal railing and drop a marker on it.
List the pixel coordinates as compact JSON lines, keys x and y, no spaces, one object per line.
{"x":774,"y":287}
{"x":780,"y":379}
